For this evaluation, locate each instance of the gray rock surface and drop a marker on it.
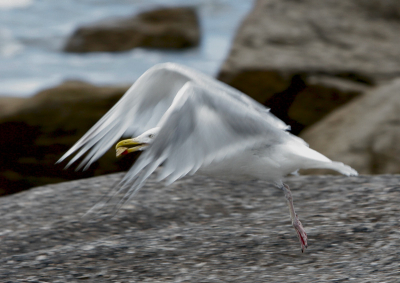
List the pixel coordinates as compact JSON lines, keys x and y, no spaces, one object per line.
{"x":284,"y":45}
{"x":204,"y":230}
{"x":364,"y":134}
{"x":168,"y":28}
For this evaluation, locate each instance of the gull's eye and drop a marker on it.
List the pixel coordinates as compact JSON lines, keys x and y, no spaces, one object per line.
{"x":151,"y":136}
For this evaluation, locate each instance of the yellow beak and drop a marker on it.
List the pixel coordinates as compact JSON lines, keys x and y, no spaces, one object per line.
{"x":125,"y":146}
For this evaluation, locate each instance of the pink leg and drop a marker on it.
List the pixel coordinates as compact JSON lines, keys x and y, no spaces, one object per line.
{"x":301,"y":233}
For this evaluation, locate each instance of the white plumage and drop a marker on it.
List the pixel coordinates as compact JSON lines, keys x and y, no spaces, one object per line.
{"x":190,"y":122}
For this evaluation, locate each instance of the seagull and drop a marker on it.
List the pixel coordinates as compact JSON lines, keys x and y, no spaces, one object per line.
{"x":185,"y":122}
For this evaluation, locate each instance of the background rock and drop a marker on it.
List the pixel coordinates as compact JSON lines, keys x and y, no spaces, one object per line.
{"x":204,"y":230}
{"x":283,"y":46}
{"x":10,"y":104}
{"x":364,"y":134}
{"x":170,"y":28}
{"x":36,"y":131}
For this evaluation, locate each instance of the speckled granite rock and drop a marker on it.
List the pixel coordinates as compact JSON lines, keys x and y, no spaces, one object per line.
{"x":204,"y":230}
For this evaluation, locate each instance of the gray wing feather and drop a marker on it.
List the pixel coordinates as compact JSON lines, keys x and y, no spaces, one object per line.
{"x":140,"y":109}
{"x":201,"y":127}
{"x":211,"y":85}
{"x":146,"y":102}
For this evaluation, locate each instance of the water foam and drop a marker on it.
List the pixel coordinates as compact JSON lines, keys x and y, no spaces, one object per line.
{"x":12,"y":4}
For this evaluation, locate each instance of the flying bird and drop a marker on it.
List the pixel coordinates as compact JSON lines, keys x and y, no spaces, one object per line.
{"x":188,"y":122}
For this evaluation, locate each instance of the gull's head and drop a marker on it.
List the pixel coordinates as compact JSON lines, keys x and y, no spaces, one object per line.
{"x":139,"y":143}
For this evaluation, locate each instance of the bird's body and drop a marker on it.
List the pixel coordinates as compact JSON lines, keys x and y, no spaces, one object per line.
{"x":269,"y":163}
{"x":189,"y":122}
{"x":245,"y":165}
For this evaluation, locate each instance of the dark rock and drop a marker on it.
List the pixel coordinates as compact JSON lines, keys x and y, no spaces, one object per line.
{"x":167,"y":28}
{"x":364,"y":134}
{"x":305,"y":58}
{"x":36,"y":131}
{"x":161,"y":235}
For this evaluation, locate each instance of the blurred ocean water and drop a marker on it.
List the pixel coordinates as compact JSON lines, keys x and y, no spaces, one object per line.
{"x":33,"y":32}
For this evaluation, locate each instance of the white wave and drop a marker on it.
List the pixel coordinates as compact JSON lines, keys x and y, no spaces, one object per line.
{"x":26,"y":86}
{"x":8,"y":45}
{"x":11,"y":4}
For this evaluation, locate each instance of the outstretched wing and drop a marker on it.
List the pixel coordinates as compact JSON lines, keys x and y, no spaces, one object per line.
{"x":199,"y":128}
{"x":140,"y":109}
{"x":143,"y":105}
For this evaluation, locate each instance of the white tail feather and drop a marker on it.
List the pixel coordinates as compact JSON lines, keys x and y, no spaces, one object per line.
{"x":337,"y":166}
{"x":308,"y":158}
